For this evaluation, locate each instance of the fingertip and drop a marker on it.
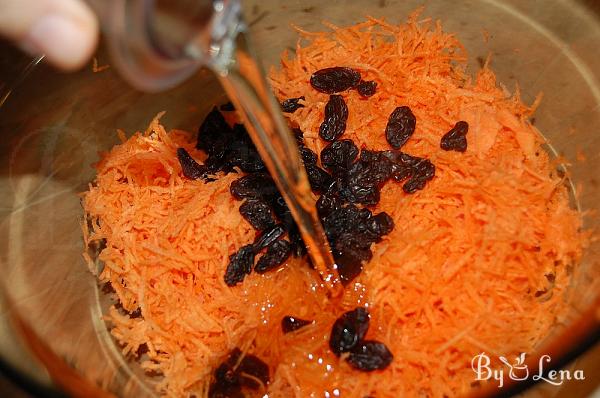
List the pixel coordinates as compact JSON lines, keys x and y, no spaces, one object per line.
{"x":68,"y":39}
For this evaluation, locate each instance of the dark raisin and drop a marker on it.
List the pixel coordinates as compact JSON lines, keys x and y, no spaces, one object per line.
{"x":240,"y":152}
{"x":364,"y":194}
{"x":227,"y":147}
{"x":254,"y":186}
{"x":226,"y":379}
{"x":137,"y":313}
{"x":366,"y":88}
{"x":348,"y":219}
{"x":338,"y":156}
{"x":292,"y":323}
{"x":402,"y":164}
{"x":456,"y":138}
{"x":336,"y":115}
{"x":423,"y":172}
{"x":350,"y":251}
{"x":327,"y":203}
{"x":258,"y":213}
{"x":318,"y":178}
{"x":400,"y":126}
{"x":141,"y":350}
{"x":283,"y":212}
{"x":234,"y":373}
{"x":285,"y":216}
{"x":253,"y":366}
{"x":379,"y":225}
{"x":349,"y":330}
{"x":191,"y":169}
{"x":267,"y":237}
{"x":334,"y":80}
{"x":308,"y":155}
{"x":298,"y":246}
{"x":227,"y":107}
{"x":227,"y":383}
{"x":369,"y":356}
{"x":290,"y":105}
{"x":373,"y":169}
{"x":364,"y":179}
{"x":275,"y":256}
{"x":240,"y":265}
{"x":213,"y":132}
{"x":417,"y":170}
{"x":298,"y":135}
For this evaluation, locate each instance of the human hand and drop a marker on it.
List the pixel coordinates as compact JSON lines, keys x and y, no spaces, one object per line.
{"x":65,"y":30}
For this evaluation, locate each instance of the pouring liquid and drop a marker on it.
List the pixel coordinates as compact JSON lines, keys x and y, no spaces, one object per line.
{"x":246,"y":86}
{"x":170,"y":40}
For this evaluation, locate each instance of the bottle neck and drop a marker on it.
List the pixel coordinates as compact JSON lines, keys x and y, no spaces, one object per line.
{"x":156,"y":44}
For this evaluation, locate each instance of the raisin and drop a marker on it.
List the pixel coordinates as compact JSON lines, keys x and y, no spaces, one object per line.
{"x":227,"y":147}
{"x":298,"y":246}
{"x":423,"y":172}
{"x":417,"y":170}
{"x":253,"y":366}
{"x":137,"y":313}
{"x":336,"y":115}
{"x":369,"y":356}
{"x":318,"y":178}
{"x":212,"y":132}
{"x":351,"y":231}
{"x":456,"y":138}
{"x":226,"y":380}
{"x":291,"y":323}
{"x":258,"y":213}
{"x":191,"y":169}
{"x":350,"y":251}
{"x":290,"y":105}
{"x":363,"y":180}
{"x":334,"y":80}
{"x":233,"y":373}
{"x":240,"y":265}
{"x":141,"y":350}
{"x":298,"y":135}
{"x":338,"y":156}
{"x":307,"y":155}
{"x":349,"y":330}
{"x":349,"y":219}
{"x":254,"y":186}
{"x":275,"y":256}
{"x":268,"y":237}
{"x":240,"y":152}
{"x":363,"y":194}
{"x":327,"y":203}
{"x":380,"y":225}
{"x":373,"y":169}
{"x":283,"y":212}
{"x":400,"y":126}
{"x":366,"y":88}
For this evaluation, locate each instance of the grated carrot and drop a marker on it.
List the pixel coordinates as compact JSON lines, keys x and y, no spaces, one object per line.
{"x":458,"y":274}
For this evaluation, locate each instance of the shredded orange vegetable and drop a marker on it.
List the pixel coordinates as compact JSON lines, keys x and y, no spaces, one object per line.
{"x":478,"y":260}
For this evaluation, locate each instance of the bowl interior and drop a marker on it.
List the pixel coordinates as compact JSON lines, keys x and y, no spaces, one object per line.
{"x":54,"y":125}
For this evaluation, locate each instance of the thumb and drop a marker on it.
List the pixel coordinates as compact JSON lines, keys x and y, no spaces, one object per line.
{"x":65,"y":30}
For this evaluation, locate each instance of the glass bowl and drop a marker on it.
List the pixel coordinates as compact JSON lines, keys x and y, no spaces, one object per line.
{"x":53,"y":125}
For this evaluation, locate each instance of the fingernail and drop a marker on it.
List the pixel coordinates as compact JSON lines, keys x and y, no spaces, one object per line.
{"x":60,"y":38}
